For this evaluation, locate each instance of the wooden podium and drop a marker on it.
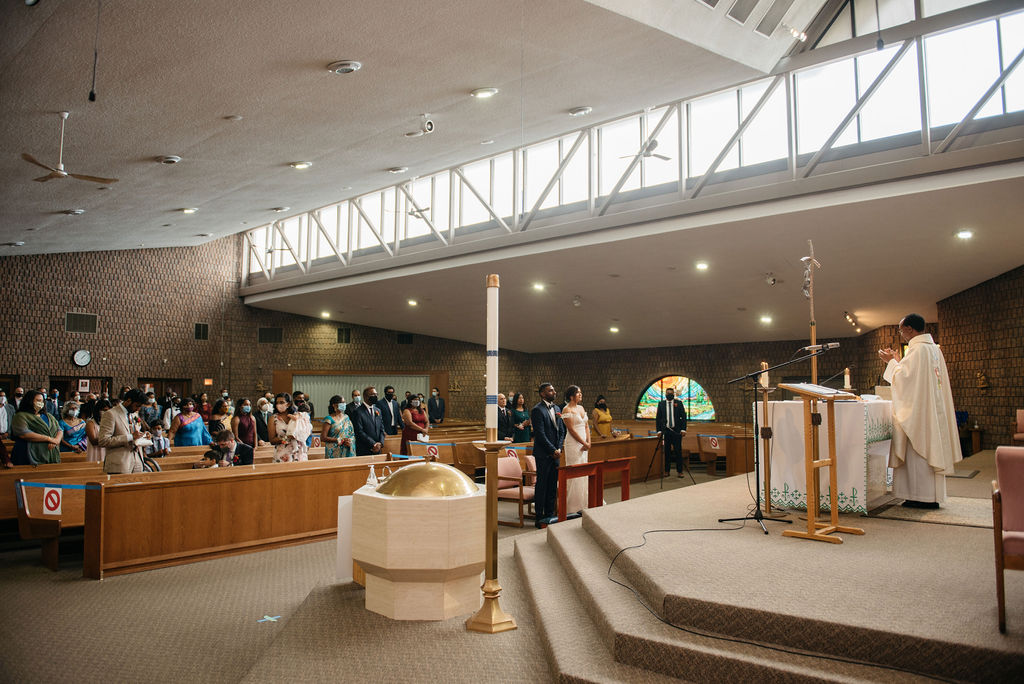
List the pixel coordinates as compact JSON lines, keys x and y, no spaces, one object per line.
{"x":811,"y":395}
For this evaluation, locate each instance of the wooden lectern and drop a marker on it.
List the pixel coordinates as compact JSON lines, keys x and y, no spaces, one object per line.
{"x":811,"y":395}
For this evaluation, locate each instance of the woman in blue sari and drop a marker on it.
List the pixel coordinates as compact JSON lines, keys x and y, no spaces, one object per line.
{"x":188,"y":427}
{"x":337,"y":434}
{"x":73,"y":427}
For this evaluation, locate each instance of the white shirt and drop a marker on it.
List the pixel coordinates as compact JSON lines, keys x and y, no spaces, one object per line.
{"x":4,"y":427}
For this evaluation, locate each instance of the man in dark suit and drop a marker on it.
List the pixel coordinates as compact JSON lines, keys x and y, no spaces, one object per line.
{"x":264,"y":411}
{"x":548,"y":438}
{"x":19,"y":392}
{"x":367,"y":424}
{"x":671,"y":423}
{"x":390,"y":414}
{"x":435,"y":407}
{"x":506,"y":424}
{"x":234,"y":452}
{"x":53,"y":403}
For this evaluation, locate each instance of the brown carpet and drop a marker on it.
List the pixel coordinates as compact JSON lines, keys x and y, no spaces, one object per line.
{"x":979,"y":486}
{"x":953,"y":511}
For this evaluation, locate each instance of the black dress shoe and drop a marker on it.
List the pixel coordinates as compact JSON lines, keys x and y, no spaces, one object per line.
{"x":921,"y":504}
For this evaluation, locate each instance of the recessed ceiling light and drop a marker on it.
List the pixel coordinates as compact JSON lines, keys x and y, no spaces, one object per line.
{"x":232,"y":117}
{"x":539,"y":287}
{"x":166,"y":225}
{"x":766,"y":319}
{"x":204,"y":234}
{"x":413,"y":302}
{"x":398,"y":169}
{"x":325,"y":314}
{"x":580,"y":111}
{"x":701,"y":265}
{"x":300,"y":164}
{"x":964,"y":233}
{"x":484,"y":93}
{"x":279,"y":210}
{"x":168,"y":159}
{"x":18,"y":243}
{"x":345,"y":66}
{"x":189,"y":210}
{"x":489,"y":141}
{"x":74,"y":212}
{"x":858,"y":329}
{"x":613,"y":329}
{"x":346,"y":187}
{"x":414,"y":134}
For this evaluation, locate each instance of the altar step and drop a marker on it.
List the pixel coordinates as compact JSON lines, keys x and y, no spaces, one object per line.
{"x":597,"y":631}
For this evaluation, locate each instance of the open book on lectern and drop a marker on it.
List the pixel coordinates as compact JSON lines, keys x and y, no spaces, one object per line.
{"x":819,"y":390}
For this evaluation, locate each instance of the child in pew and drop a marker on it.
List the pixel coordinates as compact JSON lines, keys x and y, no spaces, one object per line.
{"x":161,"y":445}
{"x":209,"y":460}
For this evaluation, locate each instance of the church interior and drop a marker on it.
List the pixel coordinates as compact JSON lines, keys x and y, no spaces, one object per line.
{"x":273,"y":197}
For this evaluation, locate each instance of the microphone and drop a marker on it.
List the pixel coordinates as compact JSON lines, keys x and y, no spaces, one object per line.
{"x":819,"y":347}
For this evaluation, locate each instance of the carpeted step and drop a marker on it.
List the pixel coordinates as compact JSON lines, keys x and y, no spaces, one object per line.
{"x":575,"y":649}
{"x":639,"y":639}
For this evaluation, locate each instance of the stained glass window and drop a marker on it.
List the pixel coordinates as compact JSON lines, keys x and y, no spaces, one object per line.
{"x":695,"y":400}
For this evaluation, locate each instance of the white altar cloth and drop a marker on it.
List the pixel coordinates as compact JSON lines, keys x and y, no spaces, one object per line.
{"x":863,"y":435}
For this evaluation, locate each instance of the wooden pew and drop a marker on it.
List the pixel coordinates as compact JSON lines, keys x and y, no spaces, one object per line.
{"x":140,"y":521}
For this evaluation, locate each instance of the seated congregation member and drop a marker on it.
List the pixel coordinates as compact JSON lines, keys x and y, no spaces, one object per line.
{"x":218,"y":417}
{"x":337,"y":433}
{"x":93,"y":451}
{"x":506,"y":422}
{"x":118,"y":431}
{"x":243,"y":425}
{"x":368,"y":426}
{"x":435,"y":407}
{"x":188,"y":428}
{"x":601,"y":417}
{"x":415,"y":423}
{"x":521,"y":418}
{"x":73,"y":427}
{"x":390,"y":414}
{"x":36,"y":433}
{"x":264,"y":412}
{"x":203,"y":406}
{"x":210,"y":459}
{"x":232,"y":451}
{"x":161,"y":446}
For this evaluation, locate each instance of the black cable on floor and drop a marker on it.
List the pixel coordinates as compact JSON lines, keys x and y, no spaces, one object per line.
{"x":736,"y":640}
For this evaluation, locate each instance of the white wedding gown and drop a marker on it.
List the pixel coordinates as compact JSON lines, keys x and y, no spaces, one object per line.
{"x":576,"y":488}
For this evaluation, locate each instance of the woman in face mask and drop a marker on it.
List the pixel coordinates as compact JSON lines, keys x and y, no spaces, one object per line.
{"x":73,"y":427}
{"x":188,"y":427}
{"x":601,"y":417}
{"x":94,"y":452}
{"x":415,"y":423}
{"x":36,"y":434}
{"x":337,"y":433}
{"x":243,"y":424}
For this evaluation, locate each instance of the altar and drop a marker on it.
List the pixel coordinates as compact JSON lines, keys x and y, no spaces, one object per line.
{"x":863,"y":435}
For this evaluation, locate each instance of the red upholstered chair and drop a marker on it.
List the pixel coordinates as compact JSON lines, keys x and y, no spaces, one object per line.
{"x":1008,"y":518}
{"x":511,"y":487}
{"x":1017,"y":429}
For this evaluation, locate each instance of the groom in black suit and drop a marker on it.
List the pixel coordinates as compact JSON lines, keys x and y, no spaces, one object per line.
{"x":548,"y":438}
{"x":671,"y":423}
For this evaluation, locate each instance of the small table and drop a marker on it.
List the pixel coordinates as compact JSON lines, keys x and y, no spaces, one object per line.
{"x":975,"y":434}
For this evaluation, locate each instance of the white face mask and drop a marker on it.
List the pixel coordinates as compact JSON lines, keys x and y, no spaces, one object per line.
{"x":357,"y":400}
{"x":433,"y":394}
{"x":73,"y":414}
{"x":3,"y":400}
{"x":414,"y":402}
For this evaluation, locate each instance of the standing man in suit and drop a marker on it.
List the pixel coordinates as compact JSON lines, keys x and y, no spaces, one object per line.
{"x":505,"y":421}
{"x":19,"y":392}
{"x":119,"y":429}
{"x":548,"y":438}
{"x":435,"y":407}
{"x":671,"y":423}
{"x":53,"y":403}
{"x":390,"y":414}
{"x":262,"y":415}
{"x":350,"y":407}
{"x":368,"y":426}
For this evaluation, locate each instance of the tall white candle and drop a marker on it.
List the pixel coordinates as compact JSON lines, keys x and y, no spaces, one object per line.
{"x":764,"y":375}
{"x":491,"y":411}
{"x":846,"y":379}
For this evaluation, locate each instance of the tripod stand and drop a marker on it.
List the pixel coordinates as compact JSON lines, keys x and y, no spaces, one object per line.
{"x":757,"y":515}
{"x":658,"y":447}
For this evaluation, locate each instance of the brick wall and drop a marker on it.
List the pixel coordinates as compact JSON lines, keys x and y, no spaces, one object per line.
{"x":148,"y":301}
{"x":983,"y":332}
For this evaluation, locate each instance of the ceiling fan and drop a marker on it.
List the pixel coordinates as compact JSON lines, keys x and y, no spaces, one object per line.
{"x":648,"y":152}
{"x":59,"y":172}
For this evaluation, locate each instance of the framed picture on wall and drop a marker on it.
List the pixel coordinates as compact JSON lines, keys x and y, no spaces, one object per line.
{"x":83,"y":386}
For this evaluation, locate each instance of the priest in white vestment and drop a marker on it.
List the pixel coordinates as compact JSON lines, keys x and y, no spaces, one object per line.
{"x":925,"y":440}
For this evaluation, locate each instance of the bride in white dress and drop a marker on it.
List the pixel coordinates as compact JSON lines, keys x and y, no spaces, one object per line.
{"x":577,"y":444}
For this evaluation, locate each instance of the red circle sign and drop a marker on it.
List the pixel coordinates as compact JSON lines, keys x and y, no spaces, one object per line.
{"x":51,"y":501}
{"x":432,"y":450}
{"x":714,"y":442}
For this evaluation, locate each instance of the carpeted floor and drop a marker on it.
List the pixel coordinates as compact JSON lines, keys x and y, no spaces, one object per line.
{"x":979,"y":486}
{"x":955,"y":510}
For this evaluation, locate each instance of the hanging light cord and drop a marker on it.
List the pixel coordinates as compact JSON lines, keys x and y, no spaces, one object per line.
{"x":879,"y":44}
{"x":96,"y":51}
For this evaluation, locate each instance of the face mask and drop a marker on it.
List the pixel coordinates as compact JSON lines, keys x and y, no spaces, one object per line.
{"x":186,"y":409}
{"x":73,"y":414}
{"x":282,"y":407}
{"x":3,"y":400}
{"x":38,"y":405}
{"x":224,"y":394}
{"x":246,"y":409}
{"x":152,"y":401}
{"x":357,"y":400}
{"x":433,"y":394}
{"x":56,"y":394}
{"x":602,"y":405}
{"x":341,"y":406}
{"x":670,"y":398}
{"x":390,"y":396}
{"x":371,"y":400}
{"x":415,"y":402}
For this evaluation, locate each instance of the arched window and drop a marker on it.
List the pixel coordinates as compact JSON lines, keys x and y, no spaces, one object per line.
{"x":695,"y":399}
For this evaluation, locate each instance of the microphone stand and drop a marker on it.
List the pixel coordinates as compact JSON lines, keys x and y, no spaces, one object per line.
{"x":757,"y":515}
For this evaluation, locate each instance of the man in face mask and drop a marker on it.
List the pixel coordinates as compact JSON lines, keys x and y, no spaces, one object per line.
{"x":354,"y":404}
{"x":53,"y":403}
{"x":435,"y":407}
{"x":368,"y":426}
{"x":262,"y":416}
{"x":389,"y":412}
{"x":119,"y":429}
{"x":671,"y":423}
{"x":19,"y":392}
